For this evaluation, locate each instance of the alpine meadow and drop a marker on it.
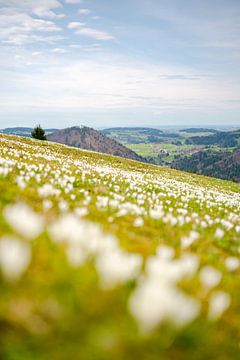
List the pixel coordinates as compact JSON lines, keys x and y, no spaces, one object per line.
{"x":107,"y":258}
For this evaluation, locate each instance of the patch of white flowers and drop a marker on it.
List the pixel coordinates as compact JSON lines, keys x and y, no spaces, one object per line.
{"x":157,"y":298}
{"x":187,"y":241}
{"x":48,"y":190}
{"x":74,"y":187}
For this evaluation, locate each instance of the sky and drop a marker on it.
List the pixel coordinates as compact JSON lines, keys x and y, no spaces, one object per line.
{"x":119,"y":63}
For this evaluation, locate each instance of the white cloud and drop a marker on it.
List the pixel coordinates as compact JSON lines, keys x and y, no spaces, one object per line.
{"x":36,"y":53}
{"x":59,"y":50}
{"x":76,"y":25}
{"x":96,"y":17}
{"x":19,"y":28}
{"x":86,"y":48}
{"x":84,"y":11}
{"x":43,"y":8}
{"x":98,"y":86}
{"x":74,"y":1}
{"x":83,"y":30}
{"x":95,"y":34}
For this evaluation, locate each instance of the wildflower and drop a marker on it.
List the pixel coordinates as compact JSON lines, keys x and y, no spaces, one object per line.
{"x":156,"y":214}
{"x":15,"y":257}
{"x":165,"y":252}
{"x":20,"y":182}
{"x":154,"y":303}
{"x":63,"y":205}
{"x":116,"y":267}
{"x":210,"y":277}
{"x":232,"y":263}
{"x":24,"y":220}
{"x":138,"y":222}
{"x":187,"y":241}
{"x":47,"y":204}
{"x":66,"y":229}
{"x":219,"y":233}
{"x":76,"y":255}
{"x":81,"y":211}
{"x":218,"y":303}
{"x":48,"y":190}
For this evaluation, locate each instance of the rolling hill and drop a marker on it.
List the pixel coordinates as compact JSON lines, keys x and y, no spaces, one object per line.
{"x":220,"y":164}
{"x":90,"y":139}
{"x":138,"y":135}
{"x":200,"y":130}
{"x":23,"y":131}
{"x":222,"y":139}
{"x":107,"y":258}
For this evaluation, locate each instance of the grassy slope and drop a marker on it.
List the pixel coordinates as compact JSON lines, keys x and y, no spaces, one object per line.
{"x":58,"y":311}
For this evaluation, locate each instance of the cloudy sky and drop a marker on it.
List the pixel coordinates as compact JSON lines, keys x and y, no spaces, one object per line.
{"x":128,"y":62}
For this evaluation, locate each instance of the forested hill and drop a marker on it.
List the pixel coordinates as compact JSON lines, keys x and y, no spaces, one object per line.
{"x":220,"y":164}
{"x":222,"y":139}
{"x":23,"y":131}
{"x":90,"y":139}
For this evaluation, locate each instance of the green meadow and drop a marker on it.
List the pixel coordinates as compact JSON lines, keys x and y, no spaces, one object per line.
{"x":105,"y":258}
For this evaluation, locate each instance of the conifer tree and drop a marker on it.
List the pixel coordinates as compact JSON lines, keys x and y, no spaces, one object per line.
{"x":39,"y":133}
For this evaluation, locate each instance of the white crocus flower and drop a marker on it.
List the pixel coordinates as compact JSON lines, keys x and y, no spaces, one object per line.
{"x":138,"y":222}
{"x":116,"y":267}
{"x":153,"y":303}
{"x":210,"y":277}
{"x":219,"y":302}
{"x":232,"y":263}
{"x":219,"y":233}
{"x":48,"y":190}
{"x":24,"y":220}
{"x":15,"y":257}
{"x":67,"y":228}
{"x":76,"y":256}
{"x":165,"y":252}
{"x":187,"y":241}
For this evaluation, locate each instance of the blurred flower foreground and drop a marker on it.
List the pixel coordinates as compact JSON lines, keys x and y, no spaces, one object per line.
{"x":105,"y":258}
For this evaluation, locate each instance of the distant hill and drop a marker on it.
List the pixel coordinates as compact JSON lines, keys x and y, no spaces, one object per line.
{"x":138,"y":135}
{"x":23,"y":131}
{"x":198,"y":130}
{"x":222,"y":139}
{"x":145,"y":130}
{"x":90,"y":139}
{"x":220,"y":164}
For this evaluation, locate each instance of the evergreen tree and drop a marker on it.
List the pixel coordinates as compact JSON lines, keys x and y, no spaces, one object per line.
{"x":39,"y":133}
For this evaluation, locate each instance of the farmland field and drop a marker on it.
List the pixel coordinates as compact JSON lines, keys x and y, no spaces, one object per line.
{"x":105,"y":258}
{"x":166,"y":151}
{"x":162,"y":147}
{"x":183,"y":148}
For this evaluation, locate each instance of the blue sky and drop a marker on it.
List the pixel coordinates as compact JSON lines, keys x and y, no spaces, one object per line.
{"x":113,"y":63}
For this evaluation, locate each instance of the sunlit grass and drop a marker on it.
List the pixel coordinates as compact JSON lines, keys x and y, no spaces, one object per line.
{"x":83,"y":209}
